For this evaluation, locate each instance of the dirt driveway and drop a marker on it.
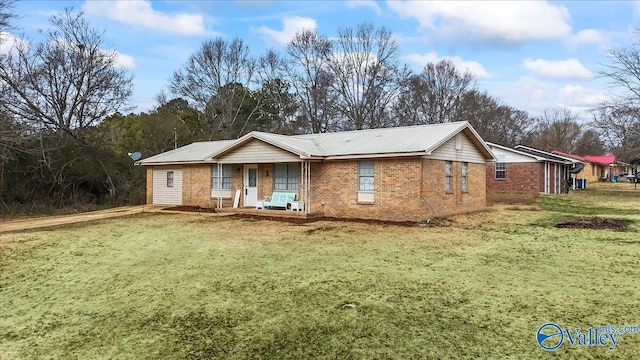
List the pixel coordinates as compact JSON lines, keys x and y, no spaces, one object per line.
{"x":48,"y":221}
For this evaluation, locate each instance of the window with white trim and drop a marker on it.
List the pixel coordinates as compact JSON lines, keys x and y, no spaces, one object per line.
{"x":501,"y":170}
{"x":463,"y":176}
{"x":365,"y":176}
{"x":285,"y":176}
{"x":169,"y":178}
{"x":221,"y":178}
{"x":447,"y":176}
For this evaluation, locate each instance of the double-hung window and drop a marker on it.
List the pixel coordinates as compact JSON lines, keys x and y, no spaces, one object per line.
{"x":221,"y":180}
{"x":169,"y":178}
{"x":463,"y":176}
{"x":365,"y":176}
{"x":365,"y":182}
{"x":501,"y":170}
{"x":285,"y":177}
{"x":448,"y":182}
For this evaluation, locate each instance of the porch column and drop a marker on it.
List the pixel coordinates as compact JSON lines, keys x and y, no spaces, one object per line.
{"x":219,"y":176}
{"x":305,"y":179}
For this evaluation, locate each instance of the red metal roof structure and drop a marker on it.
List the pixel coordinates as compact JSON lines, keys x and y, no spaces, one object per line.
{"x":598,"y":159}
{"x":601,"y":159}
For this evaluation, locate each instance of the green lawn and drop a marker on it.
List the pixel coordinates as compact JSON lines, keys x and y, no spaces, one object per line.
{"x":164,"y":286}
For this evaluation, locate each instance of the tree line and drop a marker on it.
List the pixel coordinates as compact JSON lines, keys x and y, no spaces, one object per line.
{"x":65,"y":132}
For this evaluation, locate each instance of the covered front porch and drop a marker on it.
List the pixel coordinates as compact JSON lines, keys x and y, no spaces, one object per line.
{"x":258,"y":188}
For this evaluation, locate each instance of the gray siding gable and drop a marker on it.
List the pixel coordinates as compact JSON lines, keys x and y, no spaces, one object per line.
{"x":458,"y":148}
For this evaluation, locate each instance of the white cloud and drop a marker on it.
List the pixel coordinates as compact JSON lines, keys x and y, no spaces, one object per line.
{"x":10,"y":42}
{"x":141,"y":13}
{"x":562,"y":69}
{"x":533,"y":95}
{"x":501,"y":21}
{"x":473,"y":67}
{"x":125,"y":61}
{"x":291,"y":25}
{"x":353,"y":4}
{"x":589,"y":36}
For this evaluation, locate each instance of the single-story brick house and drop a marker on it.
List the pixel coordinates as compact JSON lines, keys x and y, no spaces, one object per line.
{"x":521,"y":173}
{"x":596,"y":168}
{"x":404,"y":174}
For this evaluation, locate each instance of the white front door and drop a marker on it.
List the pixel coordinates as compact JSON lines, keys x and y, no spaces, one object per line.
{"x":250,"y":185}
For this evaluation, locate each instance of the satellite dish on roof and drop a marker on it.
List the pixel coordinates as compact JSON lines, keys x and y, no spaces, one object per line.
{"x":135,"y":155}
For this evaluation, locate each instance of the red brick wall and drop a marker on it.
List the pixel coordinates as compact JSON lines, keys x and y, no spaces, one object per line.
{"x":527,"y":177}
{"x":406,"y":189}
{"x":523,"y":183}
{"x":196,"y":184}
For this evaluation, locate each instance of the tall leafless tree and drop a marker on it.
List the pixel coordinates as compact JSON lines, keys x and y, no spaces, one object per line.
{"x":619,"y":126}
{"x":495,"y":121}
{"x":557,"y":129}
{"x":278,"y":108}
{"x":435,"y":95}
{"x":6,"y":15}
{"x":312,"y":80}
{"x":367,"y":75}
{"x":220,"y":71}
{"x":589,"y":143}
{"x":618,"y":120}
{"x":66,"y":83}
{"x":59,"y":90}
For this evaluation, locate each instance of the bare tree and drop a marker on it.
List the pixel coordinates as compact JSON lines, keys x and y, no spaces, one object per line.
{"x":278,"y":107}
{"x":6,"y":15}
{"x":312,"y":80}
{"x":435,"y":95}
{"x":367,"y":75}
{"x":66,"y":83}
{"x":59,"y":90}
{"x":618,"y":120}
{"x":558,"y":129}
{"x":619,"y":126}
{"x":223,"y":72}
{"x":494,"y":121}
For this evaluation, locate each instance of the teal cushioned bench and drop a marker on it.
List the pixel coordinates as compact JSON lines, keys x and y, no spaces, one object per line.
{"x":279,"y":200}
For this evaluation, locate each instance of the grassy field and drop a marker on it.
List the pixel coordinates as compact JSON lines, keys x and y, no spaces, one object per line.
{"x":166,"y":286}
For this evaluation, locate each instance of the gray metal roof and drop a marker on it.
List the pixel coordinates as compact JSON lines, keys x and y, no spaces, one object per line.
{"x":547,"y":155}
{"x":374,"y":142}
{"x":196,"y":152}
{"x":399,"y":140}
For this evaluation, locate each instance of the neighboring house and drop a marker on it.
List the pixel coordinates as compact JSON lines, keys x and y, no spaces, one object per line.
{"x":402,"y":174}
{"x":520,"y":174}
{"x":597,"y":168}
{"x":564,"y":172}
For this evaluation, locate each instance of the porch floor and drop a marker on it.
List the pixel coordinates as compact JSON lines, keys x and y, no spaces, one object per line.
{"x":265,"y":212}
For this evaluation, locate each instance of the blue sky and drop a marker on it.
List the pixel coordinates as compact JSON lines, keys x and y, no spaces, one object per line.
{"x":531,"y":55}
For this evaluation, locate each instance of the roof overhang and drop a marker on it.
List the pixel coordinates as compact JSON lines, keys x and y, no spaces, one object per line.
{"x":190,"y":162}
{"x":375,"y":156}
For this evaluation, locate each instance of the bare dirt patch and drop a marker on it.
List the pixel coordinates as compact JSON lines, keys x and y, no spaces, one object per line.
{"x":191,"y":209}
{"x":293,"y":220}
{"x":593,"y":223}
